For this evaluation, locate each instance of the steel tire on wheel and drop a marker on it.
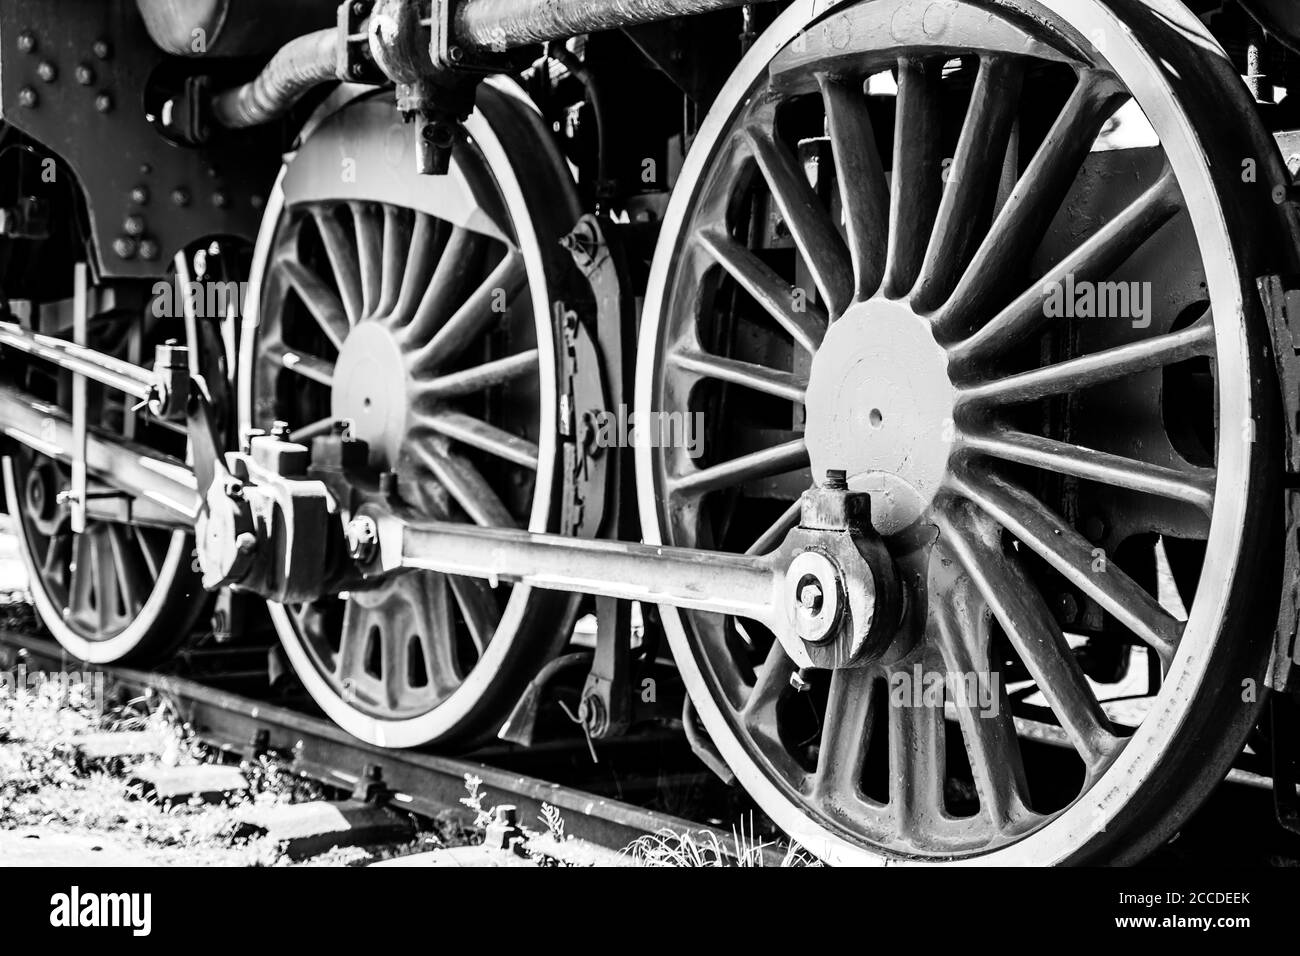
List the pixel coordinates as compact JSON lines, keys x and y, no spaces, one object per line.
{"x":931,"y":417}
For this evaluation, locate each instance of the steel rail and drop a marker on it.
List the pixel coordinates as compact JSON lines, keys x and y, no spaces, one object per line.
{"x":425,"y":784}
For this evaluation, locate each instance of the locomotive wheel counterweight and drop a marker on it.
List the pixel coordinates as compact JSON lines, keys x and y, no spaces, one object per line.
{"x":856,"y":273}
{"x":414,"y":311}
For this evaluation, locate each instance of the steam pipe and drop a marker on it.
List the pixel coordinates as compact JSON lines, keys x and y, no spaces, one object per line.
{"x":477,"y":25}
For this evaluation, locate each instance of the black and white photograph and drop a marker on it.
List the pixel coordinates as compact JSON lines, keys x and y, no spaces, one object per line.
{"x":650,"y":434}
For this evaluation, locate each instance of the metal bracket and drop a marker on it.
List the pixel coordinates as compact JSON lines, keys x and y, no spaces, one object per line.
{"x":1281,"y":300}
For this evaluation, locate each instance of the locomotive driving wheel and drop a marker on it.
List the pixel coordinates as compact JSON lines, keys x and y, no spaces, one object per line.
{"x":413,"y":312}
{"x":886,"y":255}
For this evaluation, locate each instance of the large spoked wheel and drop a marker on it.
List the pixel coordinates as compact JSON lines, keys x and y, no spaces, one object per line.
{"x":996,"y":262}
{"x":415,"y":311}
{"x":122,"y":590}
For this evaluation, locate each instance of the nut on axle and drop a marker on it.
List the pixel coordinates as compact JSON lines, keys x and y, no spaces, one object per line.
{"x":841,"y":586}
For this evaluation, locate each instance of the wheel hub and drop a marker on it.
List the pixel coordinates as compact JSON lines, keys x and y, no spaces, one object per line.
{"x":372,"y":389}
{"x":880,"y":406}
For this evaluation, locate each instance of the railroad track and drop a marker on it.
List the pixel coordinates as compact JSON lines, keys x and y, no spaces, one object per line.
{"x":424,"y":784}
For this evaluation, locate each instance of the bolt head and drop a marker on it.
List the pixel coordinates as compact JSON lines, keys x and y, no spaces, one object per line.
{"x":799,"y":681}
{"x":133,"y":225}
{"x":104,"y":103}
{"x":47,"y":71}
{"x":811,"y":596}
{"x":84,"y":74}
{"x":102,"y":49}
{"x":149,"y":250}
{"x":180,"y":196}
{"x":363,"y":537}
{"x":27,"y":98}
{"x":125,"y":247}
{"x":27,"y":42}
{"x":140,"y":195}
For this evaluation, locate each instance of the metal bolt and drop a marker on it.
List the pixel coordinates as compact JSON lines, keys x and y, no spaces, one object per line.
{"x":125,"y":247}
{"x":140,"y":195}
{"x":102,"y":49}
{"x":47,"y":71}
{"x":810,"y":597}
{"x":455,"y":54}
{"x":27,"y":98}
{"x":180,"y":196}
{"x":363,"y":538}
{"x":27,"y":42}
{"x":234,"y":489}
{"x":220,"y":200}
{"x":133,"y":225}
{"x":104,"y":103}
{"x":84,"y":74}
{"x":836,"y":480}
{"x":149,"y":250}
{"x":280,"y":430}
{"x":799,"y":680}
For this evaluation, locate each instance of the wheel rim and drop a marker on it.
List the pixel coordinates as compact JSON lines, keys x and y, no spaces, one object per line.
{"x":428,"y":330}
{"x":929,"y":313}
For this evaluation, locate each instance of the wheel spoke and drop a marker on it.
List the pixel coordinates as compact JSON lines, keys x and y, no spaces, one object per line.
{"x":971,"y":191}
{"x":810,"y":225}
{"x":1032,"y":630}
{"x":308,"y":366}
{"x":775,"y":534}
{"x":1195,"y":486}
{"x":1095,"y":369}
{"x":785,"y":385}
{"x":479,"y":434}
{"x":478,"y":605}
{"x":133,"y":581}
{"x":770,"y":683}
{"x":864,"y":191}
{"x":341,"y":250}
{"x":760,"y":464}
{"x":396,"y":246}
{"x":438,"y":635}
{"x":475,"y":316}
{"x":303,"y":435}
{"x":962,"y":633}
{"x":368,"y":221}
{"x":846,"y":732}
{"x":807,"y":325}
{"x":456,"y":268}
{"x":319,"y":299}
{"x":153,"y":554}
{"x":482,"y":377}
{"x":469,"y":489}
{"x":1076,"y":559}
{"x":1038,"y":195}
{"x":916,"y":764}
{"x":428,"y":238}
{"x":917,"y":185}
{"x":1096,"y":258}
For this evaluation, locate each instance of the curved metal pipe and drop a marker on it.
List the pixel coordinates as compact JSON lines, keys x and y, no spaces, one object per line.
{"x":494,"y":25}
{"x":299,"y":65}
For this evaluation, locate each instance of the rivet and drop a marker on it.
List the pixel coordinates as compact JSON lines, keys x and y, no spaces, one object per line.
{"x":140,"y":195}
{"x":27,"y":42}
{"x":104,"y":103}
{"x":27,"y":98}
{"x":149,"y":249}
{"x":220,"y":200}
{"x":133,"y":225}
{"x":47,"y":71}
{"x":124,"y":247}
{"x":181,"y":196}
{"x":102,"y":49}
{"x":84,"y":73}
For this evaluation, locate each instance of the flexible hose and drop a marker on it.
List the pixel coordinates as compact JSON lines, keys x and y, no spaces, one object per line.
{"x":299,"y":65}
